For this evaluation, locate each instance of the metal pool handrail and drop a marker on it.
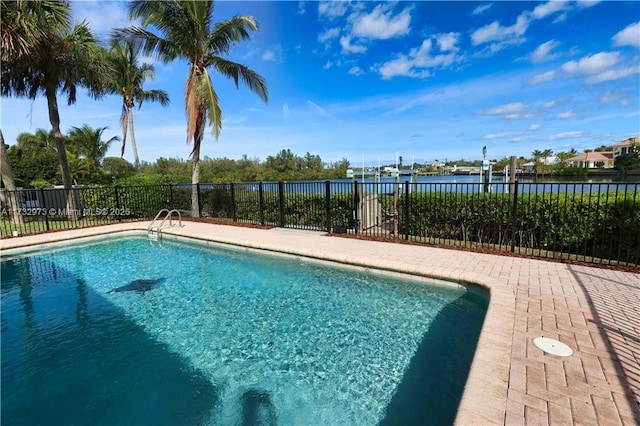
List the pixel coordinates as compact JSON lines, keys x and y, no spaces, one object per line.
{"x":169,"y":216}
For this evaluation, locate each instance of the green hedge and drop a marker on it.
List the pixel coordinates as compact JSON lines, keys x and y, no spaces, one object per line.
{"x":128,"y":202}
{"x":600,"y":225}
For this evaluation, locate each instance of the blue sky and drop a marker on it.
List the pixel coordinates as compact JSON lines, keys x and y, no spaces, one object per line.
{"x":425,"y":80}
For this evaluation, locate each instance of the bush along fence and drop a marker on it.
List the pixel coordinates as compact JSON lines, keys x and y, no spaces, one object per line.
{"x":586,"y":222}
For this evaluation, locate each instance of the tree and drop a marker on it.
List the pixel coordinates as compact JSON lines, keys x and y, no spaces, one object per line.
{"x":87,"y":142}
{"x":59,"y":58}
{"x":185,"y":29}
{"x":126,"y":78}
{"x":546,"y":154}
{"x":537,"y":155}
{"x":625,"y":162}
{"x":7,"y":179}
{"x":34,"y":157}
{"x":22,"y":25}
{"x":116,"y":168}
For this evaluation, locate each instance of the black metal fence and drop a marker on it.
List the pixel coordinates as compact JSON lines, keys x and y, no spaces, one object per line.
{"x":586,"y":222}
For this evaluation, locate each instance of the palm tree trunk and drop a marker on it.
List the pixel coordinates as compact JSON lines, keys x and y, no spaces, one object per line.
{"x":201,"y":120}
{"x":54,"y":118}
{"x":7,"y":178}
{"x":195,"y":181}
{"x":136,"y":159}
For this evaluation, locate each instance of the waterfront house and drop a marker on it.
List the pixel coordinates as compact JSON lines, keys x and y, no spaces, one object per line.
{"x":626,"y":146}
{"x":592,"y":160}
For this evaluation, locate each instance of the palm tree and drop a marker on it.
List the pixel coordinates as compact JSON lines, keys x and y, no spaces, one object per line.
{"x":537,"y":155}
{"x":41,"y":140}
{"x":546,"y":154}
{"x":185,"y":29}
{"x":22,"y":25}
{"x":88,"y":143}
{"x":61,"y":57}
{"x":20,"y":31}
{"x":126,"y":78}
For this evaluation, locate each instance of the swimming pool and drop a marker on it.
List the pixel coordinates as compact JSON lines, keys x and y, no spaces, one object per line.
{"x":226,"y":337}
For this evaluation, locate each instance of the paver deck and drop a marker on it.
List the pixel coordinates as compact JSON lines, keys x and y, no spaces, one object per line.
{"x":594,"y":311}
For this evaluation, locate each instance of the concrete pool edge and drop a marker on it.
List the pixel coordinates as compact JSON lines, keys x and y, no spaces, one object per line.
{"x":485,"y":395}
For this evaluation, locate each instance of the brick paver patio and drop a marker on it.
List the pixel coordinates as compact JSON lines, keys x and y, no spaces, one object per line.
{"x":594,"y":311}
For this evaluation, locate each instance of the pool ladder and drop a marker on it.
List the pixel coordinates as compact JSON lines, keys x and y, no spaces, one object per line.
{"x":155,"y":232}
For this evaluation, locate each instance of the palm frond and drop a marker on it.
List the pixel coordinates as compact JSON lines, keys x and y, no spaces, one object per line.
{"x":209,"y":98}
{"x":238,"y":72}
{"x":230,"y":32}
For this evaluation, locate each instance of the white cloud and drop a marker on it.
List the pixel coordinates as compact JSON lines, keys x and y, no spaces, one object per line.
{"x":592,"y":64}
{"x":586,"y":3}
{"x":548,"y":8}
{"x":273,"y":54}
{"x":401,"y":66}
{"x":302,"y":8}
{"x":285,"y":111}
{"x":328,"y":34}
{"x":620,"y":97}
{"x":550,"y":104}
{"x":568,"y":135}
{"x":630,"y":36}
{"x":613,"y":74}
{"x":543,"y":77}
{"x":347,"y":47}
{"x":496,"y":32}
{"x":518,"y":116}
{"x":356,"y":71}
{"x":328,"y":65}
{"x":534,"y":127}
{"x":419,"y":60}
{"x":101,"y":19}
{"x":380,"y":24}
{"x":543,"y":52}
{"x":511,"y":108}
{"x":501,"y":135}
{"x":447,"y":41}
{"x":482,"y":8}
{"x":600,"y":67}
{"x":332,"y":9}
{"x":511,"y":111}
{"x":502,"y":37}
{"x":565,"y":115}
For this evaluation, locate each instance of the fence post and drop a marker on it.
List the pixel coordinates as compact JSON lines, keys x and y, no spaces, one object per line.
{"x":406,"y":210}
{"x":46,"y":209}
{"x":281,"y":203}
{"x":117,"y":199}
{"x":514,"y":212}
{"x":199,"y":200}
{"x":356,"y":204}
{"x":233,"y":203}
{"x":170,"y":197}
{"x":261,"y":195}
{"x":327,"y":204}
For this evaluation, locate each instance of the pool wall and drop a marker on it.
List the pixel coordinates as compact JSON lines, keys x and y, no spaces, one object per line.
{"x":485,"y":396}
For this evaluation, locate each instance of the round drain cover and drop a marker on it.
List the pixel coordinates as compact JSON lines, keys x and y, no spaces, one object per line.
{"x":552,"y":346}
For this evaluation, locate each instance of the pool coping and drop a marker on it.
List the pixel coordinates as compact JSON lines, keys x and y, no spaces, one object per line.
{"x":509,"y":381}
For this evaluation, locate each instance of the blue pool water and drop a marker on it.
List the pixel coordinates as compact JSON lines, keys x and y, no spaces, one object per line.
{"x":228,"y":337}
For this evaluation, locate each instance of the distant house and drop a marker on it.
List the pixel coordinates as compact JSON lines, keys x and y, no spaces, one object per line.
{"x":435,"y":164}
{"x":592,"y":160}
{"x":625,"y":146}
{"x":530,"y":167}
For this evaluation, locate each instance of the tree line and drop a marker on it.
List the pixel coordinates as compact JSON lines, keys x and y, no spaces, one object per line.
{"x":35,"y":163}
